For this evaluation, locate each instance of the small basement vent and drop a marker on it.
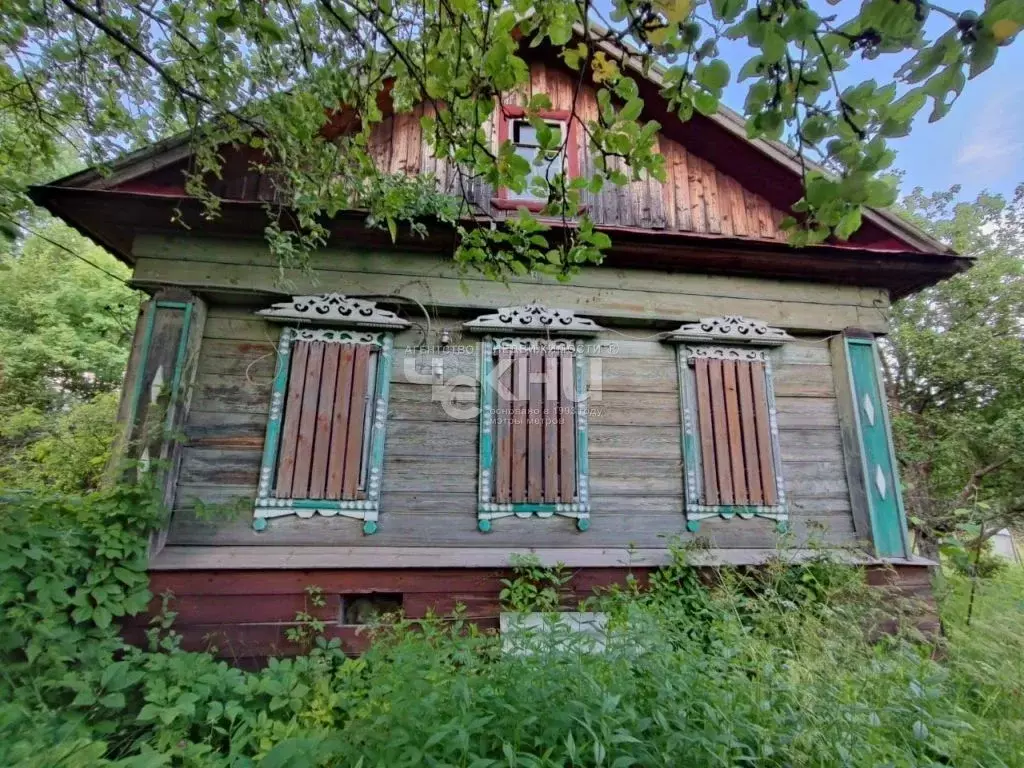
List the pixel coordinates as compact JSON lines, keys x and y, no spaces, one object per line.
{"x":365,"y":609}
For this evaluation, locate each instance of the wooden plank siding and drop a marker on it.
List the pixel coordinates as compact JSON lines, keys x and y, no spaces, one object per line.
{"x":695,"y":197}
{"x":631,"y":296}
{"x":430,"y":472}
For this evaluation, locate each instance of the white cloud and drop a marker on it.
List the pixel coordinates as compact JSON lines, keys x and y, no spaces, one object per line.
{"x":994,"y":144}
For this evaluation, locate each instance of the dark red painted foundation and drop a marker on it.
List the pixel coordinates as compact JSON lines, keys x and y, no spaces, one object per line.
{"x":245,"y":615}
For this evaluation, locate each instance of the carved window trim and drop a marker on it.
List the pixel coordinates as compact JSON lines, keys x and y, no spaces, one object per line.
{"x":332,"y":309}
{"x":487,"y":508}
{"x":734,"y":339}
{"x":534,"y":318}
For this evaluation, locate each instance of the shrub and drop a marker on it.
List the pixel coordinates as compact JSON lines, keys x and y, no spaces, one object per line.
{"x":766,"y":667}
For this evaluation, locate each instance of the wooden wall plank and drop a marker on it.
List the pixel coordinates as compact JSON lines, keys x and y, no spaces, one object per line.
{"x":356,"y":416}
{"x":520,"y":384}
{"x":566,"y":428}
{"x":764,"y":444}
{"x":339,"y":422}
{"x":352,"y":267}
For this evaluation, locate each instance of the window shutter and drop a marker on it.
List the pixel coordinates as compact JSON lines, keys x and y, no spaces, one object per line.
{"x":323,"y":453}
{"x":735,"y":436}
{"x":534,"y":427}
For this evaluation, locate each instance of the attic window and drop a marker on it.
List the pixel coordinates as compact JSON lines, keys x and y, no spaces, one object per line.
{"x":545,"y":165}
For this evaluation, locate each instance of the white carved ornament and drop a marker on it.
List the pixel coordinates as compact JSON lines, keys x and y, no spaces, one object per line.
{"x":730,"y":329}
{"x":333,"y":309}
{"x":535,"y":318}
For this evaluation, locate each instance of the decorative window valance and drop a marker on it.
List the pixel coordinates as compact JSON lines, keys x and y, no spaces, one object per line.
{"x":333,"y":309}
{"x":534,"y":318}
{"x":730,"y":329}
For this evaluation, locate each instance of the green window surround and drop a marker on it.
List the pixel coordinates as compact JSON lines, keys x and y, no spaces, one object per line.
{"x":359,"y":321}
{"x":488,"y":507}
{"x":731,"y":459}
{"x":557,"y":480}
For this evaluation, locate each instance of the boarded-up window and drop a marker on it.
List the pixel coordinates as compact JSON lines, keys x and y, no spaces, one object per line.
{"x":730,"y":413}
{"x":535,"y":427}
{"x":324,"y":450}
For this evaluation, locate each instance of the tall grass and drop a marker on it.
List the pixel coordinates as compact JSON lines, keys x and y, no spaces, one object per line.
{"x":782,"y":666}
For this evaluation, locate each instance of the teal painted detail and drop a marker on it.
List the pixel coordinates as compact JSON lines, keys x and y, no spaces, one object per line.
{"x":179,"y":358}
{"x":782,"y":527}
{"x":259,"y":524}
{"x":583,"y":524}
{"x":487,"y":509}
{"x":147,"y":340}
{"x":367,"y":509}
{"x":878,"y":459}
{"x":693,"y":470}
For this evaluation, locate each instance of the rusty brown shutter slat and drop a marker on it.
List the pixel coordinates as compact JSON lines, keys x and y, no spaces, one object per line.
{"x":707,"y":434}
{"x":324,"y":414}
{"x":502,"y":428}
{"x":732,"y":417}
{"x":535,"y":429}
{"x":721,"y":432}
{"x":520,"y":372}
{"x":566,"y":428}
{"x":751,"y":458}
{"x":307,"y":421}
{"x":764,"y":439}
{"x":357,"y":410}
{"x":339,"y":422}
{"x":550,"y":416}
{"x":292,"y":412}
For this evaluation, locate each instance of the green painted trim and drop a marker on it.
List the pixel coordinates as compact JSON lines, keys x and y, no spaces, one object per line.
{"x":485,"y":477}
{"x":693,"y":471}
{"x":140,"y":376}
{"x":367,"y":509}
{"x":179,"y":358}
{"x":174,"y":304}
{"x":487,"y":509}
{"x":879,"y":469}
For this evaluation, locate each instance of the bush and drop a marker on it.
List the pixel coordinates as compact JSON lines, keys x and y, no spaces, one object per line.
{"x":768,"y":667}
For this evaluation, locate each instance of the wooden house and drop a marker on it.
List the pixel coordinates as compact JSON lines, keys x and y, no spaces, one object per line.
{"x":393,"y":431}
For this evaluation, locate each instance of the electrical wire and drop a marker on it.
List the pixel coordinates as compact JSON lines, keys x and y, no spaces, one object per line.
{"x":63,"y":247}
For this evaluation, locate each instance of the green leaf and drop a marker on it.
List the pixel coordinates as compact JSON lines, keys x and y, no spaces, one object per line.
{"x":848,"y":224}
{"x":714,"y":75}
{"x":113,"y":701}
{"x":705,"y":103}
{"x":101,"y":616}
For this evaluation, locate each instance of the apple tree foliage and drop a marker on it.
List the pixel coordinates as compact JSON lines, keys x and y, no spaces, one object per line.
{"x":271,"y":74}
{"x":954,"y":369}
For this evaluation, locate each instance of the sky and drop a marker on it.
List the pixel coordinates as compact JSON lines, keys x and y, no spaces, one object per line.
{"x":979,"y":144}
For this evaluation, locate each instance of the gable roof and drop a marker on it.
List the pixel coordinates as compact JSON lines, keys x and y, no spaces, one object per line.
{"x":744,"y":188}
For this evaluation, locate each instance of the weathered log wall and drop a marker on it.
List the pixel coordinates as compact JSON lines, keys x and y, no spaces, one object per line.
{"x":695,"y":197}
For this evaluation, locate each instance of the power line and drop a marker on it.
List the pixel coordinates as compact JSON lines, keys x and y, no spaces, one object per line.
{"x":64,"y":248}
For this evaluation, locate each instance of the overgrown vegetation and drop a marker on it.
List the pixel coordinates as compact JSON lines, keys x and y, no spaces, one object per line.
{"x":768,"y":668}
{"x":66,"y":320}
{"x":280,"y":78}
{"x":954,"y":371}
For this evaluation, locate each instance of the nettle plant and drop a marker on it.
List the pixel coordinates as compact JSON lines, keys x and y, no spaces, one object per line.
{"x":299,"y":82}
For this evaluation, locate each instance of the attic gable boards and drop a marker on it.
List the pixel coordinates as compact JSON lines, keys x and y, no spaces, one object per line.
{"x":717,"y":185}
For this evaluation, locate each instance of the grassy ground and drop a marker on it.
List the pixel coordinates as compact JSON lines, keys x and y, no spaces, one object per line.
{"x":782,"y":666}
